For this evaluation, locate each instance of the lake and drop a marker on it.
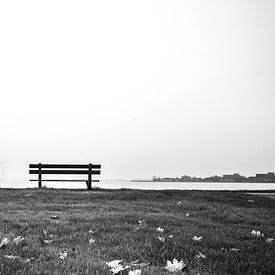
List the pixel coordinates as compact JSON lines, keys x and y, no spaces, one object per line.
{"x":116,"y":184}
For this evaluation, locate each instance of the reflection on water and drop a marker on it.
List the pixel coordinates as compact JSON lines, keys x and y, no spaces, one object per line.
{"x":116,"y":184}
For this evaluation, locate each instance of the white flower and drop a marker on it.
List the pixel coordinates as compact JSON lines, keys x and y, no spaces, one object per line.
{"x":117,"y":269}
{"x":63,"y":255}
{"x":91,"y":231}
{"x":187,"y":215}
{"x":197,"y":239}
{"x":18,"y":240}
{"x":170,"y":236}
{"x":135,"y":262}
{"x":269,"y":240}
{"x":113,"y":264}
{"x":251,"y":200}
{"x":11,"y":257}
{"x":28,"y":260}
{"x":175,"y":266}
{"x":47,"y":241}
{"x":134,"y":272}
{"x":257,"y":234}
{"x":55,"y":217}
{"x":200,"y":255}
{"x":4,"y":242}
{"x":162,"y":239}
{"x":159,"y":229}
{"x":91,"y":241}
{"x":141,"y":221}
{"x":179,"y":202}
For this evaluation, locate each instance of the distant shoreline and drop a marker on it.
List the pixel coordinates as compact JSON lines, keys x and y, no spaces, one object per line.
{"x":200,"y":181}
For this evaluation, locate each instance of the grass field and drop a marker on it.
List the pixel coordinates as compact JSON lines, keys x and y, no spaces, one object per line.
{"x":111,"y":218}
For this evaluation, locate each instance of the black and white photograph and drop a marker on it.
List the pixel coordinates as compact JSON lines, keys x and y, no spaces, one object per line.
{"x":137,"y":137}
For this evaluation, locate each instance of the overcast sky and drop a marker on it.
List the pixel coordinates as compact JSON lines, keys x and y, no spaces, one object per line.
{"x":146,"y":88}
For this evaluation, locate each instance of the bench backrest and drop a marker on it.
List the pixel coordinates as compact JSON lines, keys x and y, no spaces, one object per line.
{"x":65,"y":169}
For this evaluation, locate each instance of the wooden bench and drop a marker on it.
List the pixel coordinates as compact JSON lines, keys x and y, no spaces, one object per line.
{"x":65,"y":169}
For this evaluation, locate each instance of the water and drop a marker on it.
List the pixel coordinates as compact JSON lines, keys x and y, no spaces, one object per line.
{"x":117,"y":184}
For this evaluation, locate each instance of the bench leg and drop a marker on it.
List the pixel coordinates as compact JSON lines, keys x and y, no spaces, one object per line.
{"x":39,"y":176}
{"x":89,"y":185}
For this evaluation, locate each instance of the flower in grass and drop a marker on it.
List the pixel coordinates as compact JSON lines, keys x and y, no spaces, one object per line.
{"x":257,"y":234}
{"x":91,"y":231}
{"x":162,"y":239}
{"x":187,"y":215}
{"x":134,"y":272}
{"x":140,"y":225}
{"x":55,"y":217}
{"x":251,"y":200}
{"x":63,"y":255}
{"x":11,"y":257}
{"x":30,"y":259}
{"x":91,"y":241}
{"x":197,"y":239}
{"x":179,"y":202}
{"x":4,"y":242}
{"x":113,"y":264}
{"x":47,"y":241}
{"x":200,"y":255}
{"x":117,"y":269}
{"x":159,"y":229}
{"x":135,"y":262}
{"x":175,"y":266}
{"x":170,"y":236}
{"x":18,"y":240}
{"x":269,"y":240}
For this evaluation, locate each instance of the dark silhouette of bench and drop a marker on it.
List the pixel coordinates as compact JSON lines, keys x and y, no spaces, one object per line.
{"x":65,"y":169}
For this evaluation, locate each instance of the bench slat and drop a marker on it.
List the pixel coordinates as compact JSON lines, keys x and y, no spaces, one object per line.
{"x":76,"y":166}
{"x":66,"y":180}
{"x":67,"y":172}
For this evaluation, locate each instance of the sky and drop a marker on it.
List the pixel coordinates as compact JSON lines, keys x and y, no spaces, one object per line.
{"x":146,"y":88}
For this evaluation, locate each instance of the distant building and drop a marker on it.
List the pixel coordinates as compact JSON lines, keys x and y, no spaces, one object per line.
{"x":233,"y":178}
{"x":213,"y":179}
{"x":252,"y":179}
{"x":186,"y":178}
{"x":269,"y":177}
{"x":167,"y":179}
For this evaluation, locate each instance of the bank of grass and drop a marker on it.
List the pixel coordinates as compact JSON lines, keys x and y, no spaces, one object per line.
{"x":224,"y":220}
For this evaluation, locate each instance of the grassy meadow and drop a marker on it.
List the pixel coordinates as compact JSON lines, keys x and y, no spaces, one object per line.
{"x":121,"y":225}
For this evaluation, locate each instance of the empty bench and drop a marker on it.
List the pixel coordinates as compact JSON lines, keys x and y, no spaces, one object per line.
{"x":65,"y":169}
